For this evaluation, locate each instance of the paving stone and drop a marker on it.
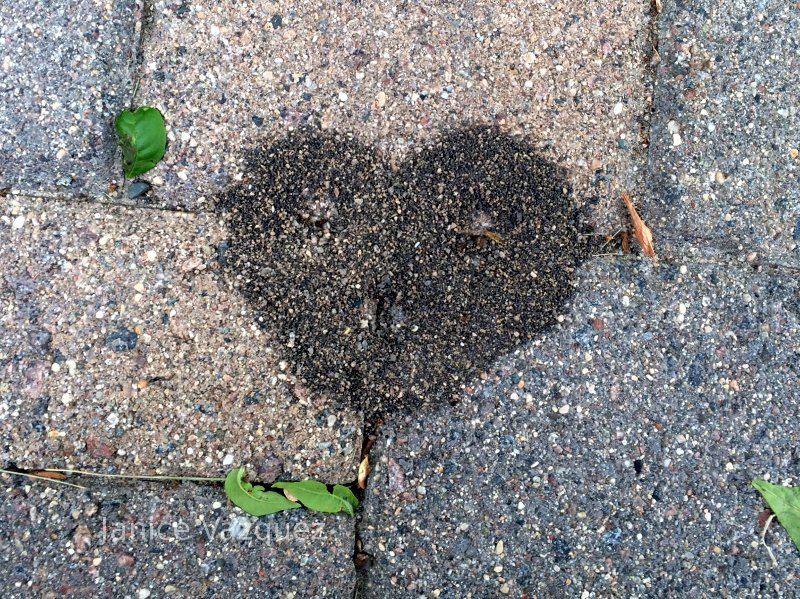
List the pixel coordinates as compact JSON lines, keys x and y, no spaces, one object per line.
{"x":724,"y":158}
{"x":125,"y":347}
{"x":164,"y":540}
{"x":228,"y":76}
{"x":66,"y":70}
{"x":609,"y":461}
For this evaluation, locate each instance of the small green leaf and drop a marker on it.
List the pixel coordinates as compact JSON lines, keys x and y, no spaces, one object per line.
{"x":346,"y":494}
{"x":254,"y":500}
{"x":143,"y":138}
{"x":315,"y":496}
{"x":785,"y":504}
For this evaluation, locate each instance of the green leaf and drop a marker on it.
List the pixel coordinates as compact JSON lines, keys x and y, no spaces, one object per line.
{"x":346,"y":494}
{"x":254,"y":500}
{"x":143,"y":138}
{"x":785,"y":504}
{"x":315,"y":496}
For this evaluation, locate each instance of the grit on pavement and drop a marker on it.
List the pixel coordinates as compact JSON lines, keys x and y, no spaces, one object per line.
{"x":609,"y":454}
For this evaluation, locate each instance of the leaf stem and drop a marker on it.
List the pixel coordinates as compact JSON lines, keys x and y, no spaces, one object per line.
{"x":207,"y":479}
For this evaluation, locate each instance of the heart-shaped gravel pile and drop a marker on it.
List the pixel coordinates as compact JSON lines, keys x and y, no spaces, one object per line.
{"x":388,"y":285}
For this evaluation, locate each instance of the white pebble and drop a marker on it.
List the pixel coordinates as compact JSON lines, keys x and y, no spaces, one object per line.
{"x":564,"y":410}
{"x":183,"y":175}
{"x":676,"y":139}
{"x":618,"y":108}
{"x":342,"y":97}
{"x":626,"y":301}
{"x":144,"y":593}
{"x":227,"y":460}
{"x":18,"y":222}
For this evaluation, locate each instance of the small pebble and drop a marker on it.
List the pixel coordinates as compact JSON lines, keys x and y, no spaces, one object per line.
{"x":618,"y":108}
{"x":564,"y":410}
{"x":144,"y":593}
{"x":18,"y":222}
{"x":138,"y":189}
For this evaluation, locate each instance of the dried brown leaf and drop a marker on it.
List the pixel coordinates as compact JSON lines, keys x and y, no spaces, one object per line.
{"x":640,"y":230}
{"x":50,"y":475}
{"x":363,"y":472}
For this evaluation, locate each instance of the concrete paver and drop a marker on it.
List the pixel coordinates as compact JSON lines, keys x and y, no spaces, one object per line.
{"x":612,"y":457}
{"x":125,"y":347}
{"x":228,"y":76}
{"x":66,"y":70}
{"x":724,"y":159}
{"x":153,"y":540}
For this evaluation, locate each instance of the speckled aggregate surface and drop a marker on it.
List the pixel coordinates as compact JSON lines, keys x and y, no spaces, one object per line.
{"x":568,"y":77}
{"x":66,"y":70}
{"x":725,"y":156}
{"x":124,"y":348}
{"x":153,"y":540}
{"x":612,"y":457}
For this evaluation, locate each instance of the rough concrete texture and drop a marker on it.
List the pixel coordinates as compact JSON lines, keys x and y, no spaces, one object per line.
{"x":725,"y":139}
{"x":568,"y":77}
{"x":612,"y":457}
{"x":66,"y":70}
{"x":154,"y":540}
{"x":123,"y":347}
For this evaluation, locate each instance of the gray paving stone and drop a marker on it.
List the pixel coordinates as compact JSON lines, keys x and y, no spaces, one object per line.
{"x":724,"y":157}
{"x":66,"y":70}
{"x":613,"y":457}
{"x":164,"y":540}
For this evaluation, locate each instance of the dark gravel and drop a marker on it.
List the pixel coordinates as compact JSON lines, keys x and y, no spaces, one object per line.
{"x":372,"y":273}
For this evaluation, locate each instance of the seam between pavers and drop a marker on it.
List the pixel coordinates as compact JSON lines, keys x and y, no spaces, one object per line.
{"x":103,"y":201}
